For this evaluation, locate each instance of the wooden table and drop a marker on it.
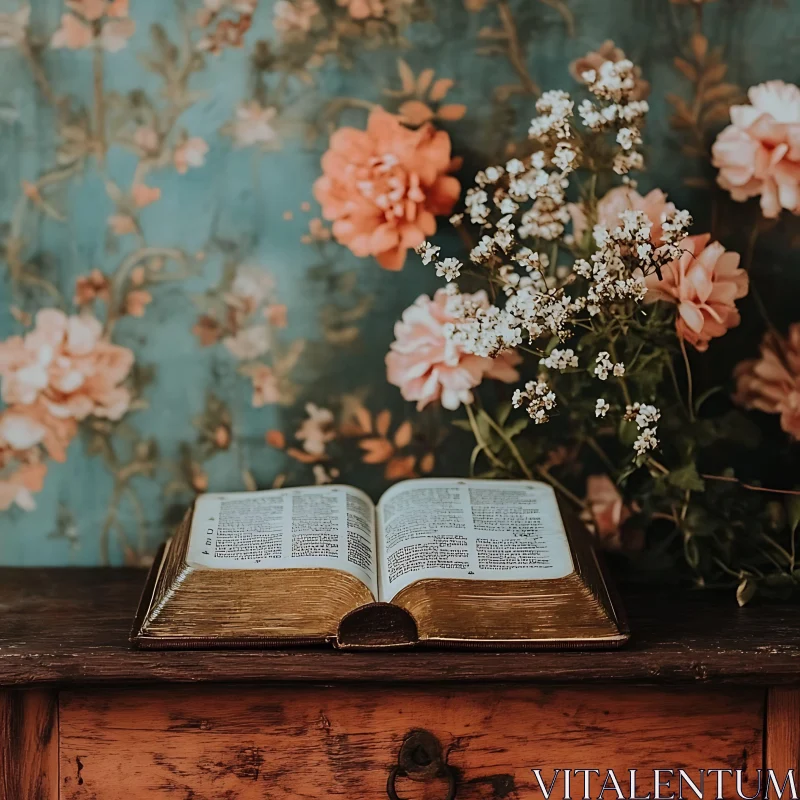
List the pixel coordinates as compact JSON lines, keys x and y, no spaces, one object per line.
{"x":703,"y":685}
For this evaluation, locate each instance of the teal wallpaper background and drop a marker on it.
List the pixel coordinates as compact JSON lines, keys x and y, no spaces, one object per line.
{"x":158,"y":162}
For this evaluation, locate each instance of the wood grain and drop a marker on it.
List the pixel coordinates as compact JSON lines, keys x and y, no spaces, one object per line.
{"x":310,"y":742}
{"x":71,"y":626}
{"x":783,"y":730}
{"x":28,"y":745}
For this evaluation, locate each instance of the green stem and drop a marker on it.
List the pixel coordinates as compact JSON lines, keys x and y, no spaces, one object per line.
{"x":99,"y":104}
{"x":689,"y":384}
{"x":479,"y":439}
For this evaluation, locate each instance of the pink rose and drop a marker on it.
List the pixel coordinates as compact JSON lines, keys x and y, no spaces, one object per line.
{"x":430,"y":367}
{"x":759,"y":153}
{"x":771,"y":382}
{"x":704,"y":283}
{"x":622,"y":198}
{"x":67,"y":366}
{"x":384,"y":187}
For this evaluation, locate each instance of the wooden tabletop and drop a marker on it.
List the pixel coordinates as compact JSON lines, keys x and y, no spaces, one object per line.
{"x":70,"y":626}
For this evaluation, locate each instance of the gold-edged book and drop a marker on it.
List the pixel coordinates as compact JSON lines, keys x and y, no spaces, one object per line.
{"x":438,"y":562}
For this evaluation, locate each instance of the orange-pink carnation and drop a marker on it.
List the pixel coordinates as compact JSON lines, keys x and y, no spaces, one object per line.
{"x":758,"y":154}
{"x":704,"y":282}
{"x":771,"y":382}
{"x":384,"y":187}
{"x":429,"y":367}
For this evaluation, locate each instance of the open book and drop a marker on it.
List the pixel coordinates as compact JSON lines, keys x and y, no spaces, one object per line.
{"x":437,"y":561}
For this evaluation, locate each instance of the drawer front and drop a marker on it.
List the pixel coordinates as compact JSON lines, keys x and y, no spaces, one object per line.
{"x":273,"y":742}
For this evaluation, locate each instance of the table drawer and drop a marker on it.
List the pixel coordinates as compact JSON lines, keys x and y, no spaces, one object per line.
{"x":272,"y":742}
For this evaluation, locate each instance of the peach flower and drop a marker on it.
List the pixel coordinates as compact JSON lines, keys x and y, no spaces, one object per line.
{"x":265,"y":386}
{"x":66,"y":365}
{"x":595,"y":59}
{"x":21,"y":472}
{"x":294,"y":16}
{"x":190,"y":153}
{"x":704,"y":283}
{"x":14,"y":26}
{"x":91,"y":287}
{"x":19,"y":482}
{"x":144,"y":195}
{"x":80,"y":27}
{"x":363,"y":9}
{"x":383,"y":187}
{"x":254,"y":125}
{"x":137,"y":301}
{"x":606,"y":515}
{"x":759,"y":152}
{"x":430,"y":367}
{"x":316,"y":430}
{"x":622,"y":198}
{"x":771,"y":382}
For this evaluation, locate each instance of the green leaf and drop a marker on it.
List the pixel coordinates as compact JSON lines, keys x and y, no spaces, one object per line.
{"x":704,"y":396}
{"x":793,"y":511}
{"x":745,"y":592}
{"x":687,"y":478}
{"x":516,"y":427}
{"x":503,"y":411}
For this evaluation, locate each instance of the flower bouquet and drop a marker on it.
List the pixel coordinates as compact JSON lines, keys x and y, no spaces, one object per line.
{"x":605,"y":310}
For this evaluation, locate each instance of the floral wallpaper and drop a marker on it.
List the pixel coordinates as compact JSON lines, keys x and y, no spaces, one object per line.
{"x":206,"y":213}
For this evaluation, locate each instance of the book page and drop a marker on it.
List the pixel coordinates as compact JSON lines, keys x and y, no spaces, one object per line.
{"x":313,"y":526}
{"x":469,"y":529}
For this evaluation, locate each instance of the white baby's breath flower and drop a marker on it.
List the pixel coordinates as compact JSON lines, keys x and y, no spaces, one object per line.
{"x":560,"y":359}
{"x":538,"y":399}
{"x":618,"y":370}
{"x":646,"y":441}
{"x":448,"y":268}
{"x":644,"y":415}
{"x":428,"y":252}
{"x":601,"y":407}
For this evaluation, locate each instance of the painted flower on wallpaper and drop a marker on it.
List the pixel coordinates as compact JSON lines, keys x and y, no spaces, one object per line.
{"x":384,"y":187}
{"x":226,"y":21}
{"x":771,"y":382}
{"x":606,"y":514}
{"x":14,"y":27}
{"x":704,"y":283}
{"x":363,"y":9}
{"x":254,"y":125}
{"x":316,"y":430}
{"x":430,"y":367}
{"x":93,"y":286}
{"x":608,"y":51}
{"x":22,"y":474}
{"x":67,"y":367}
{"x":191,"y":152}
{"x":758,"y":154}
{"x":294,"y":16}
{"x":421,"y":97}
{"x":623,"y":198}
{"x":87,"y":20}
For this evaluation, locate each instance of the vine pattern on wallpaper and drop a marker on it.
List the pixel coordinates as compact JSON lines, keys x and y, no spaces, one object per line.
{"x":72,"y":370}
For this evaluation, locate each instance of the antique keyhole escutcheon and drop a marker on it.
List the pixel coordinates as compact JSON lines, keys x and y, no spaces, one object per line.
{"x":420,"y":759}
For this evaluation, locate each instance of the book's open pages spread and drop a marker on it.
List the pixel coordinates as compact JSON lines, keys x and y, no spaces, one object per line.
{"x":438,"y":560}
{"x":330,"y":527}
{"x":469,"y":529}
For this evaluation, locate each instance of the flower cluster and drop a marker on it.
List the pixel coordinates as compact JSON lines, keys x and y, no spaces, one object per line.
{"x":538,"y":399}
{"x":521,"y":211}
